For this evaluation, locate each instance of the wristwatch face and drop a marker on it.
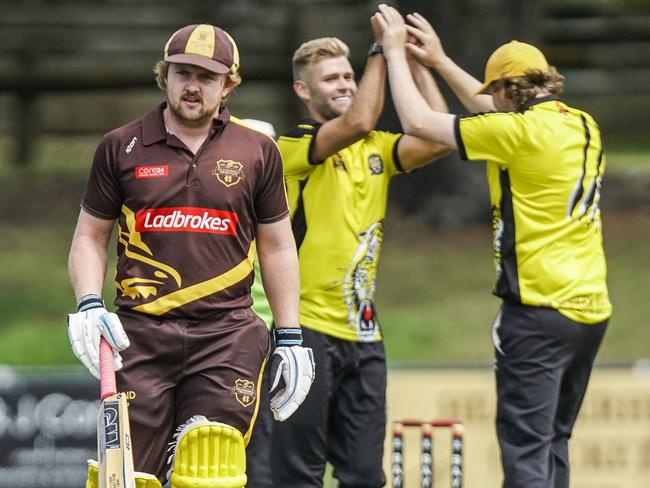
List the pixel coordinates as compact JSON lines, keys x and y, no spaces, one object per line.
{"x":375,"y":49}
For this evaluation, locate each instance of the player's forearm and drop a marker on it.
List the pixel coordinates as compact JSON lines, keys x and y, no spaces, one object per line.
{"x":87,"y":259}
{"x":368,"y":101}
{"x":360,"y":118}
{"x":281,"y":281}
{"x":276,"y":250}
{"x":414,"y":113}
{"x":464,"y":86}
{"x":427,"y":86}
{"x":87,"y":266}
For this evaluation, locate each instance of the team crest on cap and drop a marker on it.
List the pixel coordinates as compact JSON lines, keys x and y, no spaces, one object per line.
{"x":244,"y":392}
{"x":201,"y":41}
{"x":228,"y":172}
{"x":375,"y":164}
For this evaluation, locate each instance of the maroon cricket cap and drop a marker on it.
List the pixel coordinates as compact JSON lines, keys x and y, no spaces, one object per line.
{"x":203,"y":45}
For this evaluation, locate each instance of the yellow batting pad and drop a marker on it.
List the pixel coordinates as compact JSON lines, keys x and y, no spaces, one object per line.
{"x":142,"y":480}
{"x":93,"y":472}
{"x":209,"y":455}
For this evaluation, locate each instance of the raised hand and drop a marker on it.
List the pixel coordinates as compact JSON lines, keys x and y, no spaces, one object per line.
{"x":393,"y":29}
{"x":427,"y":48}
{"x":376,"y":28}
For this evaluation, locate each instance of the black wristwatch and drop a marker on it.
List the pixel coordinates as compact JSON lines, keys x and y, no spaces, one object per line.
{"x":375,"y":48}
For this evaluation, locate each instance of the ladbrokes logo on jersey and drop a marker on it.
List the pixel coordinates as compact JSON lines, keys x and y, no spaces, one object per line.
{"x":186,"y":219}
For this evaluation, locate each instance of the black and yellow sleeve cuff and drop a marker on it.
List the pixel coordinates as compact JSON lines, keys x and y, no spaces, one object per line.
{"x":459,"y":140}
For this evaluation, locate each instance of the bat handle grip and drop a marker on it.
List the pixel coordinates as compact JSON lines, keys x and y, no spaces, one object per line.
{"x":107,"y":382}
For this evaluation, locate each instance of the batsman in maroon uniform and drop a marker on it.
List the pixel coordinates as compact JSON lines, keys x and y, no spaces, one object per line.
{"x":193,"y":191}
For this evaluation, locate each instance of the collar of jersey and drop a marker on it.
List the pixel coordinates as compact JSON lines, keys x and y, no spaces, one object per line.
{"x":153,"y":124}
{"x":310,"y":122}
{"x":536,"y":101}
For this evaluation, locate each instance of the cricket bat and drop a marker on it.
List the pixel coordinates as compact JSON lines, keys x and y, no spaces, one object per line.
{"x":115,"y":457}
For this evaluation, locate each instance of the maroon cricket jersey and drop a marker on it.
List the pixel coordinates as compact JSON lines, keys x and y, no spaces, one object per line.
{"x":186,"y":223}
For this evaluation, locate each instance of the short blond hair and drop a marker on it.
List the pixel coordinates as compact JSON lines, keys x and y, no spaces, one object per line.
{"x":161,"y":69}
{"x":313,"y":51}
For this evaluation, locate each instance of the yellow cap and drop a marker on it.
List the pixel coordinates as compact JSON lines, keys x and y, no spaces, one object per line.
{"x":512,"y":59}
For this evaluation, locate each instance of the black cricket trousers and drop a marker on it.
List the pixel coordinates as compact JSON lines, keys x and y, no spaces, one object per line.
{"x":543,"y":361}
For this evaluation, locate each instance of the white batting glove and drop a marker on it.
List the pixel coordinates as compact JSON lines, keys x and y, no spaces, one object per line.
{"x":86,"y":327}
{"x":291,"y":371}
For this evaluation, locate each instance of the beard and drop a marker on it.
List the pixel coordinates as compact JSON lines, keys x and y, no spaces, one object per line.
{"x":192,"y":119}
{"x":328,"y":110}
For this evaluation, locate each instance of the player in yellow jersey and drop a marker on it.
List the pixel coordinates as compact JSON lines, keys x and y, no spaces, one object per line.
{"x":545,"y":164}
{"x":337,"y":170}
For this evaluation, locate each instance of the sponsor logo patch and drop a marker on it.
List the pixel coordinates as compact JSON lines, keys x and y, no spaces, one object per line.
{"x":186,"y":219}
{"x":228,"y":172}
{"x":244,"y":392}
{"x":129,"y":148}
{"x":152,"y":171}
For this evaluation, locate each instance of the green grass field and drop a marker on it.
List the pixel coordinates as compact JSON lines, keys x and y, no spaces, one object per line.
{"x":433,"y":294}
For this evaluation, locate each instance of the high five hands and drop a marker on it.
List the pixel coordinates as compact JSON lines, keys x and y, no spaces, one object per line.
{"x":393,"y":30}
{"x":417,"y":38}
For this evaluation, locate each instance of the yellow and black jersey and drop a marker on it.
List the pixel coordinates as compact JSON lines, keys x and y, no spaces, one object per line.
{"x":545,"y":164}
{"x":337,"y":210}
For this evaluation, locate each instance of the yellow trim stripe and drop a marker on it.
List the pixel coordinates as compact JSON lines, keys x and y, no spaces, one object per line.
{"x":151,"y":262}
{"x":249,"y":432}
{"x":175,"y":299}
{"x":135,"y":239}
